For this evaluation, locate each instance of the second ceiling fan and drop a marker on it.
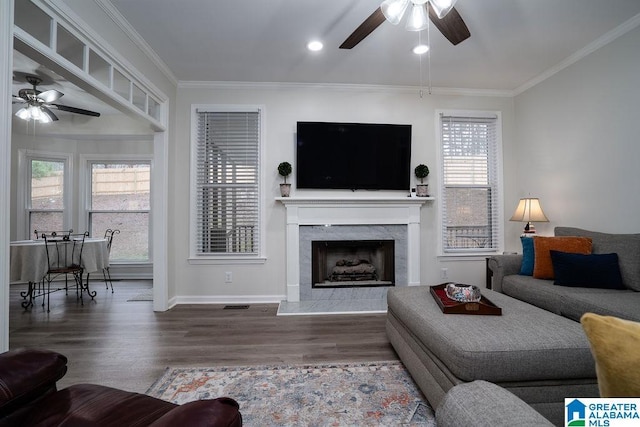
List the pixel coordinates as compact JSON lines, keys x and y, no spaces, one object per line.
{"x":37,"y":105}
{"x":441,"y":12}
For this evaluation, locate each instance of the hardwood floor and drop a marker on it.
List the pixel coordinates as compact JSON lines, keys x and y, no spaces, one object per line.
{"x":125,"y":344}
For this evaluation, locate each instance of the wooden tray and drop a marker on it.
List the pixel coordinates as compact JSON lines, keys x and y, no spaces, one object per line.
{"x":449,"y":306}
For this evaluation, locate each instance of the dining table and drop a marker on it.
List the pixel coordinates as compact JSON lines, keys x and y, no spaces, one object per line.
{"x":29,"y":264}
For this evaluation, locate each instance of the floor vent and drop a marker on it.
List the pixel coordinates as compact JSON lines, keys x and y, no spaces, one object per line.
{"x":236,"y":307}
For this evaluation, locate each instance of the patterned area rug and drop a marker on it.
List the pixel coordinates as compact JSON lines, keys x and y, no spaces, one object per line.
{"x":361,"y":394}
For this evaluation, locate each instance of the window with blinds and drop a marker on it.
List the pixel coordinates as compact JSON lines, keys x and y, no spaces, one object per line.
{"x":227,"y":163}
{"x":470,"y":184}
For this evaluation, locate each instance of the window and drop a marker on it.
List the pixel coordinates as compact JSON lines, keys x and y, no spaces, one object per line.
{"x":226,"y":211}
{"x":470,"y":186}
{"x":120,"y":199}
{"x":45,"y":193}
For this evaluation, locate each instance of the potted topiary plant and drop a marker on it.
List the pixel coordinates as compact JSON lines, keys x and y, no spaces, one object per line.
{"x":422,"y":189}
{"x":284,"y":169}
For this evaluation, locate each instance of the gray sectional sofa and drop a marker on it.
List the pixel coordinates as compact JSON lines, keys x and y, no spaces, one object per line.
{"x":573,"y":302}
{"x":531,"y":357}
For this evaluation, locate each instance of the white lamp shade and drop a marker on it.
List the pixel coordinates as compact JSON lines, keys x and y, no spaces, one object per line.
{"x":442,"y":7}
{"x":529,"y":210}
{"x":36,"y":113}
{"x":394,"y":9}
{"x":418,"y":19}
{"x":23,"y":113}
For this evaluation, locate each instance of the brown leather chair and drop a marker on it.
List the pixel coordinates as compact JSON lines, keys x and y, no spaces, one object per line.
{"x":29,"y":397}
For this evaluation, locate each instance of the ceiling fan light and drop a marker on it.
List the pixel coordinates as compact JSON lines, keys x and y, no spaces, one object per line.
{"x":47,"y":115}
{"x":421,"y":49}
{"x":45,"y":118}
{"x":23,"y":114}
{"x":35,"y":113}
{"x":394,"y":9}
{"x":417,"y":20}
{"x":442,"y":7}
{"x":315,"y":45}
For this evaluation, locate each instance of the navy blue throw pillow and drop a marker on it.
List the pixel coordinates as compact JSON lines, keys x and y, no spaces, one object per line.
{"x":528,"y":256}
{"x":586,"y":271}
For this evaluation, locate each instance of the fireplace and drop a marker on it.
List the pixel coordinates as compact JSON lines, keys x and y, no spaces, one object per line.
{"x":345,"y":237}
{"x":352,"y":263}
{"x":350,"y":218}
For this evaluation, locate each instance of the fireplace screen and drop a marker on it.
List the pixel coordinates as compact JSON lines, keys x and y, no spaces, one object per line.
{"x":353,"y":263}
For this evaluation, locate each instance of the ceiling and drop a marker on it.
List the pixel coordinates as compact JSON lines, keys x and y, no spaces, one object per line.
{"x":512,"y":41}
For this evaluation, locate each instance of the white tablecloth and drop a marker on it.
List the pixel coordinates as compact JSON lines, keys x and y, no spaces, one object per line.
{"x":29,"y":259}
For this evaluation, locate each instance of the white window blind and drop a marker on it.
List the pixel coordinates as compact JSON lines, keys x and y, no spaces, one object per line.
{"x":227,"y":187}
{"x":470,"y":184}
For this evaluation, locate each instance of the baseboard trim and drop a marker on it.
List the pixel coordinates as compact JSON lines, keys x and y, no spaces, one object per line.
{"x":227,"y":299}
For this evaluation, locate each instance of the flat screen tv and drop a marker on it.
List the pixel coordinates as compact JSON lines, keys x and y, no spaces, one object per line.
{"x":354,"y":156}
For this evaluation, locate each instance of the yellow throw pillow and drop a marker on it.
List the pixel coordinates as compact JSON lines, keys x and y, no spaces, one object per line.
{"x":615,"y":344}
{"x":542,"y":247}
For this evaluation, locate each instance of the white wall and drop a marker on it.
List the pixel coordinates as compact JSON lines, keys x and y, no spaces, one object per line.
{"x":577,"y":144}
{"x":285,"y":105}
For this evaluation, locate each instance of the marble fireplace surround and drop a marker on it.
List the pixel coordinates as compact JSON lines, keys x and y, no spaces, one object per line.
{"x":308,"y":218}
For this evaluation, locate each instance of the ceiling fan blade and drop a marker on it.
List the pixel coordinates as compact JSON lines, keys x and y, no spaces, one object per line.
{"x":371,"y":23}
{"x":75,"y":110}
{"x":451,"y":25}
{"x":49,"y":113}
{"x":49,"y":96}
{"x":17,"y":99}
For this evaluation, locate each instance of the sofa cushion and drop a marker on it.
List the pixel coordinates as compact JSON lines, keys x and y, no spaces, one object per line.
{"x":586,"y":271}
{"x":614,"y":344}
{"x":481,"y":403}
{"x":573,"y":302}
{"x":627,"y":246}
{"x":538,"y":292}
{"x":607,"y":302}
{"x":528,"y":256}
{"x":542,"y":267}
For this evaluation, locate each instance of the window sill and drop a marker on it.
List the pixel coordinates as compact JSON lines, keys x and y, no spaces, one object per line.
{"x":475,"y":256}
{"x":226,"y":260}
{"x":135,"y":263}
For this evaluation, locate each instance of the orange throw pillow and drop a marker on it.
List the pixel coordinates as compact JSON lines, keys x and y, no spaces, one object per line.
{"x":542,"y":266}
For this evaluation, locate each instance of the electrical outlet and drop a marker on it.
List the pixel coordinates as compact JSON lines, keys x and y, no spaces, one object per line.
{"x":228,"y":277}
{"x":444,"y":273}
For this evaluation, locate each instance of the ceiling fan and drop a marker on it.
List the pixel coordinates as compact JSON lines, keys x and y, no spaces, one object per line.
{"x":38,"y":104}
{"x":441,"y":12}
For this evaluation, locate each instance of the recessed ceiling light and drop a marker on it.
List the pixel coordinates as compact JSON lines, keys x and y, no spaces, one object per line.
{"x":314,"y":45}
{"x":421,"y":49}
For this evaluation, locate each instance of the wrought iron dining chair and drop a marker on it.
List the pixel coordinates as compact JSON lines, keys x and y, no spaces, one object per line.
{"x":108,"y":235}
{"x":64,"y":258}
{"x":61,"y":233}
{"x":39,"y":235}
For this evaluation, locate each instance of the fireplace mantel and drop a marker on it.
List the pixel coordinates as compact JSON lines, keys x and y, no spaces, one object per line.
{"x":335,"y":200}
{"x":368,"y":210}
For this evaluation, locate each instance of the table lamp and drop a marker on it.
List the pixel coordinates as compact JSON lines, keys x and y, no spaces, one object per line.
{"x":529,"y":210}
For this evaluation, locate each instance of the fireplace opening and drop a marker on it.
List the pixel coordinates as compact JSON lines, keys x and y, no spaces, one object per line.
{"x":352,"y":263}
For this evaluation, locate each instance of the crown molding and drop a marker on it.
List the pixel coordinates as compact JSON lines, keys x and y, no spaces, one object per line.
{"x":117,"y":18}
{"x":62,"y":11}
{"x":585,"y":51}
{"x":97,"y":137}
{"x":341,"y":87}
